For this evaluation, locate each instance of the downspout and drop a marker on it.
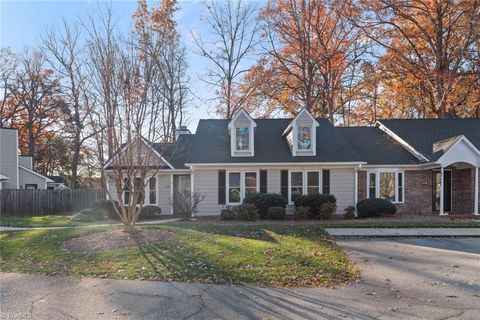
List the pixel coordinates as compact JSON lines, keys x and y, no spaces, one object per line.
{"x":357,"y":168}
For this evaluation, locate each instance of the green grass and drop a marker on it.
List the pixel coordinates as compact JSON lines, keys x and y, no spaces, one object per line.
{"x":266,"y":255}
{"x":38,"y":221}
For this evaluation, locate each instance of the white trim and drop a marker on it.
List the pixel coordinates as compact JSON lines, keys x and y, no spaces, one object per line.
{"x":407,"y":146}
{"x":451,"y":185}
{"x":459,"y":139}
{"x":171,"y":194}
{"x":35,"y":173}
{"x":476,"y":194}
{"x":105,"y":166}
{"x":290,"y":201}
{"x":273,"y":164}
{"x":242,"y":185}
{"x":377,"y":173}
{"x":233,"y":136}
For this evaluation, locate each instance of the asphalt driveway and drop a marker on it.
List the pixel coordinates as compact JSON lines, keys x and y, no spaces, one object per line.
{"x":401,"y":279}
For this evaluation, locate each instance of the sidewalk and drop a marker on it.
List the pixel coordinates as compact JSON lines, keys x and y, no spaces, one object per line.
{"x":3,"y":229}
{"x":403,"y":232}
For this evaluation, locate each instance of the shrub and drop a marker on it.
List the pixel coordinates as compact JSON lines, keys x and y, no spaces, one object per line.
{"x":302,"y":213}
{"x":375,"y":207}
{"x":150,"y":212}
{"x":263,"y":201}
{"x":276,"y":213}
{"x":327,"y":210}
{"x":88,"y":215}
{"x":227,"y":214}
{"x":349,"y":212}
{"x":314,"y":202}
{"x":246,"y":212}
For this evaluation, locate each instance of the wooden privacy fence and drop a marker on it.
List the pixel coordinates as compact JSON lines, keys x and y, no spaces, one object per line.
{"x":21,"y":201}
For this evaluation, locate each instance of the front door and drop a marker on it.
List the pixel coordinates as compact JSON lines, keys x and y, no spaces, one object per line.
{"x":181,"y":191}
{"x":447,"y":190}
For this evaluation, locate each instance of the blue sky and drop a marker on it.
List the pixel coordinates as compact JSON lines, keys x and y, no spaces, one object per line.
{"x":22,"y":23}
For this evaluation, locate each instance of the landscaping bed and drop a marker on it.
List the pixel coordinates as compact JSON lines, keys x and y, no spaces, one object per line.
{"x":264,"y":255}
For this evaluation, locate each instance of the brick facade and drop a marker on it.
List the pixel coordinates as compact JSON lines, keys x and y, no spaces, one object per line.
{"x":419,"y":190}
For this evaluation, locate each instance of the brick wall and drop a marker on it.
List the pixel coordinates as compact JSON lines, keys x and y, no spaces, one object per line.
{"x":463,"y":190}
{"x":362,"y":185}
{"x":418,"y":192}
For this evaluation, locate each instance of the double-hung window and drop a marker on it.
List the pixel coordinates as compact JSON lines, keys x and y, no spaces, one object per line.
{"x":239,"y":185}
{"x":242,"y":139}
{"x":296,"y":184}
{"x":313,"y":182}
{"x":386,"y":184}
{"x":308,"y":182}
{"x":152,"y":190}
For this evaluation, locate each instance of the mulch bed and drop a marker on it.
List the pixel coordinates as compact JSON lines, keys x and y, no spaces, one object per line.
{"x":111,"y":240}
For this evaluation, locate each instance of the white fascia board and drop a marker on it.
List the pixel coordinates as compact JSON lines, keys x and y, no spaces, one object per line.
{"x":241,"y":110}
{"x":407,"y":146}
{"x":35,"y":173}
{"x":273,"y":164}
{"x":315,"y":122}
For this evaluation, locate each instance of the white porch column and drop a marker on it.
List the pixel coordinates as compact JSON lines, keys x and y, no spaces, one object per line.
{"x":355,"y":198}
{"x":171,"y":194}
{"x":442,"y":212}
{"x":476,"y":195}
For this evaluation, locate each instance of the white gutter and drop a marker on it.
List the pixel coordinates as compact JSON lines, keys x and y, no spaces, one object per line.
{"x":392,"y":134}
{"x":271,"y":164}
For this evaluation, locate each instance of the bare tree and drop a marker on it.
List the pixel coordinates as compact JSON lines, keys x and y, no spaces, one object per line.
{"x":67,"y":59}
{"x":8,"y":68}
{"x":233,"y":29}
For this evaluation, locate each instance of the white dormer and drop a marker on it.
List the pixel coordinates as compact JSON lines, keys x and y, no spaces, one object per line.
{"x":301,"y":134}
{"x":241,"y":130}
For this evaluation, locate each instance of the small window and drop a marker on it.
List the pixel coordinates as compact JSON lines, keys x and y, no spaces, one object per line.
{"x":296,"y":185}
{"x":242,"y":139}
{"x":387,"y":186}
{"x":326,"y":181}
{"x":234,"y":193}
{"x":31,"y":186}
{"x":372,"y":186}
{"x":250,"y":183}
{"x":152,"y":191}
{"x":313,"y":182}
{"x":304,"y":138}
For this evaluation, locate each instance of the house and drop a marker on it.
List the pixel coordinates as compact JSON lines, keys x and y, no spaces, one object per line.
{"x":57,"y":183}
{"x":16,"y":172}
{"x":422,"y":166}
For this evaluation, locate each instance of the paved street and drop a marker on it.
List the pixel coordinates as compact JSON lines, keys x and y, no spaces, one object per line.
{"x":401,"y":279}
{"x":403,"y":232}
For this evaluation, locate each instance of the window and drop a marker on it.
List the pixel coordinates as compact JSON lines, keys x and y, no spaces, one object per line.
{"x":313,"y":182}
{"x":152,"y":191}
{"x":296,"y":185}
{"x":126,"y":191}
{"x":372,"y":186}
{"x":242,"y":139}
{"x":31,"y":186}
{"x":234,"y":187}
{"x":386,"y":185}
{"x":304,"y":138}
{"x":326,"y":181}
{"x":139,"y":189}
{"x":250,"y":183}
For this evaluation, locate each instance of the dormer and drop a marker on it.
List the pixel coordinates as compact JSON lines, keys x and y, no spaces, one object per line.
{"x":241,"y":130}
{"x":301,"y":134}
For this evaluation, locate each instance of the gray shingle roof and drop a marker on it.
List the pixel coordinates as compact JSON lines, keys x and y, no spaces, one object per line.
{"x":376,"y":147}
{"x":421,"y":134}
{"x":211,"y":144}
{"x":176,"y":154}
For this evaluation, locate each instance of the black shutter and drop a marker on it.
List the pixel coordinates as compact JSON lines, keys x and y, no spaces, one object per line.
{"x":221,"y":186}
{"x":263,"y":181}
{"x":284,"y":183}
{"x":326,"y":181}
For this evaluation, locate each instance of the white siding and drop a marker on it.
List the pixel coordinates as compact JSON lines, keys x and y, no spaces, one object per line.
{"x":9,"y":157}
{"x":164,"y":194}
{"x":273,"y":181}
{"x":304,"y":120}
{"x":242,"y":121}
{"x":26,"y":177}
{"x":342,"y":185}
{"x":206,"y":183}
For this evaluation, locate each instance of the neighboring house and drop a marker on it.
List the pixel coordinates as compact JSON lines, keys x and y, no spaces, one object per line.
{"x":57,"y":183}
{"x":16,"y":171}
{"x":420,"y":165}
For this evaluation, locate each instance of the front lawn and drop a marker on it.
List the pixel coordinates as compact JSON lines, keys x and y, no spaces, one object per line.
{"x":265,"y":255}
{"x":37,"y":221}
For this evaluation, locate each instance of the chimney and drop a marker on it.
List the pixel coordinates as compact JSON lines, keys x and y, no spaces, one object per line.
{"x":182,"y":130}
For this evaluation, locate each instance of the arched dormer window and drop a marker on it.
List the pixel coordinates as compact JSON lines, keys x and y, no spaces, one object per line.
{"x":241,"y":130}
